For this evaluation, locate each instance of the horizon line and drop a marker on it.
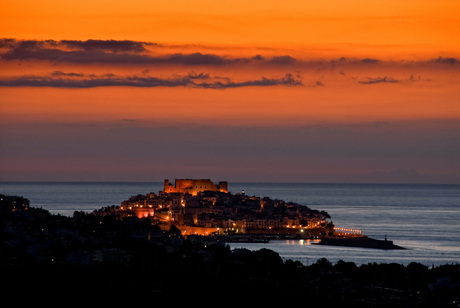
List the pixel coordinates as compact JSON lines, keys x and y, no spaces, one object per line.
{"x":235,"y":182}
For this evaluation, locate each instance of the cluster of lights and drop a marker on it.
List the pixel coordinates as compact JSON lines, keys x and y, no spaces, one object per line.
{"x":137,"y":205}
{"x":295,"y":226}
{"x":348,"y":230}
{"x":305,"y":227}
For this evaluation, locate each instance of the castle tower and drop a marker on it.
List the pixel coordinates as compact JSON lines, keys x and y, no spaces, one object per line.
{"x":168,"y":187}
{"x":223,"y":186}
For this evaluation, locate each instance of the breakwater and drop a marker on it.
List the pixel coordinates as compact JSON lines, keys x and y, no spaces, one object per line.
{"x":359,"y":241}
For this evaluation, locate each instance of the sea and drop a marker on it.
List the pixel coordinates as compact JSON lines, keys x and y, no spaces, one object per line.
{"x":424,"y":219}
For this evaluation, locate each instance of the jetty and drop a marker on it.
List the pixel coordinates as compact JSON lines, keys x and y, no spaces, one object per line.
{"x":359,"y":241}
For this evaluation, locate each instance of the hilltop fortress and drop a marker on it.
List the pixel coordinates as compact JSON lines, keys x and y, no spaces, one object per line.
{"x":193,"y":187}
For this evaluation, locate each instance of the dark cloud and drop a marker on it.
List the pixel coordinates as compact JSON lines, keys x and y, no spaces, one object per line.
{"x":443,"y":60}
{"x":194,"y":75}
{"x":59,"y":79}
{"x":117,"y":52}
{"x":30,"y":53}
{"x":282,"y":60}
{"x":369,"y":61}
{"x":379,"y":80}
{"x":319,"y":83}
{"x":61,"y":74}
{"x":287,"y":80}
{"x":127,"y":52}
{"x":104,"y":45}
{"x":192,"y":59}
{"x":344,"y":60}
{"x":111,"y":52}
{"x":26,"y":51}
{"x":108,"y":45}
{"x":7,"y":42}
{"x":385,"y":79}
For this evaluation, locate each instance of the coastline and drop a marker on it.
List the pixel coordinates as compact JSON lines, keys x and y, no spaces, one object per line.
{"x":407,"y":207}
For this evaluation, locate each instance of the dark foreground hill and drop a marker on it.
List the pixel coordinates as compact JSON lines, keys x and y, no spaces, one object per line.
{"x":83,"y":256}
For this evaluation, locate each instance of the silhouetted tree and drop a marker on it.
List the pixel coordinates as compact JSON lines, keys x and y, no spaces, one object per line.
{"x":345,"y":267}
{"x":322,"y":264}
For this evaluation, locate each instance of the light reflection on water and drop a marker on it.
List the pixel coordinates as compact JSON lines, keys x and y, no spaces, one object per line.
{"x":302,"y":242}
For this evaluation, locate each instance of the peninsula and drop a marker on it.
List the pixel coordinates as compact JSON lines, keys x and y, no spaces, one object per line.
{"x":200,"y":207}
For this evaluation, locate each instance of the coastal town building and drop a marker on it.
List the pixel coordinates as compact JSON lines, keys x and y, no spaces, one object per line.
{"x":197,"y":206}
{"x":13,"y":203}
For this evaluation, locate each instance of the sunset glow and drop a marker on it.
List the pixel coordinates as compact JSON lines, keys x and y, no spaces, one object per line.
{"x":327,"y":91}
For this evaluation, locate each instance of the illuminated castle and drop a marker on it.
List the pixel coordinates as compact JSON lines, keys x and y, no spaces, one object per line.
{"x":194,"y":186}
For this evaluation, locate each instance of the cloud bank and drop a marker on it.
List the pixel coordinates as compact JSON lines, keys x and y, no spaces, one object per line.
{"x":59,"y":79}
{"x":127,"y":52}
{"x":105,"y":63}
{"x":379,"y":80}
{"x":118,"y":52}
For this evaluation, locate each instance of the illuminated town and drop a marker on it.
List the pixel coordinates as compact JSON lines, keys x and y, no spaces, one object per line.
{"x":198,"y":206}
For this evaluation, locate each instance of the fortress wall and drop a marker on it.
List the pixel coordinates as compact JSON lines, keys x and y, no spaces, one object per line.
{"x":202,"y":185}
{"x":194,"y":186}
{"x":183,"y":185}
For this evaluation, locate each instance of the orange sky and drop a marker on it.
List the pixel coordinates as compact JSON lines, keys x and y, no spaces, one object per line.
{"x":420,"y":25}
{"x":344,"y":66}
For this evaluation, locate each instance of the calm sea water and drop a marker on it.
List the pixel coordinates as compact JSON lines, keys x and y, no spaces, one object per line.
{"x":425,"y":219}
